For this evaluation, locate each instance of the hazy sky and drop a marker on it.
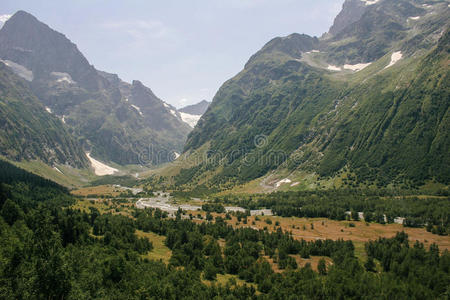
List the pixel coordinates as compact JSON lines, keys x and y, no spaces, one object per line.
{"x":183,"y":50}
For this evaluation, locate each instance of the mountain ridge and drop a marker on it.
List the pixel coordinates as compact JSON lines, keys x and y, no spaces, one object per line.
{"x":305,"y":98}
{"x":113,"y":120}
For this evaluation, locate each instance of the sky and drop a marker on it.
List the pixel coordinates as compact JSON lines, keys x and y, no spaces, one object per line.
{"x":183,"y":50}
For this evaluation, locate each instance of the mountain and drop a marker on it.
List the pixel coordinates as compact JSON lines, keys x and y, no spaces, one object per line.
{"x":352,"y":11}
{"x":28,"y":131}
{"x":367,"y":104}
{"x":196,"y":109}
{"x":192,"y":113}
{"x":115,"y":121}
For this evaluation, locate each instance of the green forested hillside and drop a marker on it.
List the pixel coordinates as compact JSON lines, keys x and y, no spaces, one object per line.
{"x":28,"y":131}
{"x":401,"y":128}
{"x":299,"y":106}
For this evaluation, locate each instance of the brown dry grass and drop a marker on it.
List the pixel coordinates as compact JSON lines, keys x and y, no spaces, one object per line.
{"x":105,"y":190}
{"x":362,"y":232}
{"x":334,"y":230}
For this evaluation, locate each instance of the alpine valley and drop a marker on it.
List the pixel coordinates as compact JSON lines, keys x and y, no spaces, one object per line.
{"x":320,"y":171}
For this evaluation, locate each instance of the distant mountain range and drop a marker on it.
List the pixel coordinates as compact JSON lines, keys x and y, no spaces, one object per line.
{"x":367,"y":104}
{"x":113,"y":120}
{"x":196,"y":109}
{"x":192,"y":113}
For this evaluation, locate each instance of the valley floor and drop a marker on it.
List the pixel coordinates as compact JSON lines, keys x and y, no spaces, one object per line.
{"x":309,"y":229}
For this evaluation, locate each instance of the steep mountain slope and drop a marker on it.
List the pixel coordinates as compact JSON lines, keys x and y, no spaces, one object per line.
{"x":192,"y":113}
{"x":400,"y":127}
{"x":371,"y":98}
{"x":115,"y":121}
{"x":28,"y":131}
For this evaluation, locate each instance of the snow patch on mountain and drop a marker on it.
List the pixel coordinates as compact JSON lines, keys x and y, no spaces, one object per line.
{"x":395,"y":57}
{"x":333,"y":68}
{"x":370,"y":2}
{"x":58,"y":170}
{"x":279,"y":183}
{"x":3,"y":19}
{"x":137,"y":108}
{"x":19,"y":70}
{"x":357,"y":67}
{"x":191,"y":120}
{"x":100,"y":168}
{"x":62,"y":77}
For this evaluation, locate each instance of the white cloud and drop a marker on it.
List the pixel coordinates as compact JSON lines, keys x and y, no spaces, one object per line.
{"x":140,"y":29}
{"x":249,"y":4}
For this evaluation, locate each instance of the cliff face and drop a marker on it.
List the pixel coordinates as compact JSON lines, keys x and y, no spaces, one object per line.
{"x":352,"y":11}
{"x":114,"y":120}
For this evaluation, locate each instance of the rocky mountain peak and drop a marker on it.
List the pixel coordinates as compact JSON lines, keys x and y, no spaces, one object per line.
{"x":293,"y":45}
{"x":114,"y":119}
{"x":28,"y":42}
{"x":352,"y":11}
{"x":143,"y":95}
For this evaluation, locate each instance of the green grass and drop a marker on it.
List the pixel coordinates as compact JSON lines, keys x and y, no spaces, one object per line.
{"x":360,"y":251}
{"x":71,"y":177}
{"x":223,"y":279}
{"x":160,"y":250}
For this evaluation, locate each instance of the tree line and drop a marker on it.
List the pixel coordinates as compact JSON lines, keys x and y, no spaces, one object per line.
{"x":50,"y":251}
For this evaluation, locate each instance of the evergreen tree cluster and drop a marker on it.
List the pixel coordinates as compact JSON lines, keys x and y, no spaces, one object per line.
{"x":50,"y":251}
{"x":381,"y":206}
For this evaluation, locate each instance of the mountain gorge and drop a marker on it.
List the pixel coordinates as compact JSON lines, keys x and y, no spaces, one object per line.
{"x":368,"y":101}
{"x":113,"y":120}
